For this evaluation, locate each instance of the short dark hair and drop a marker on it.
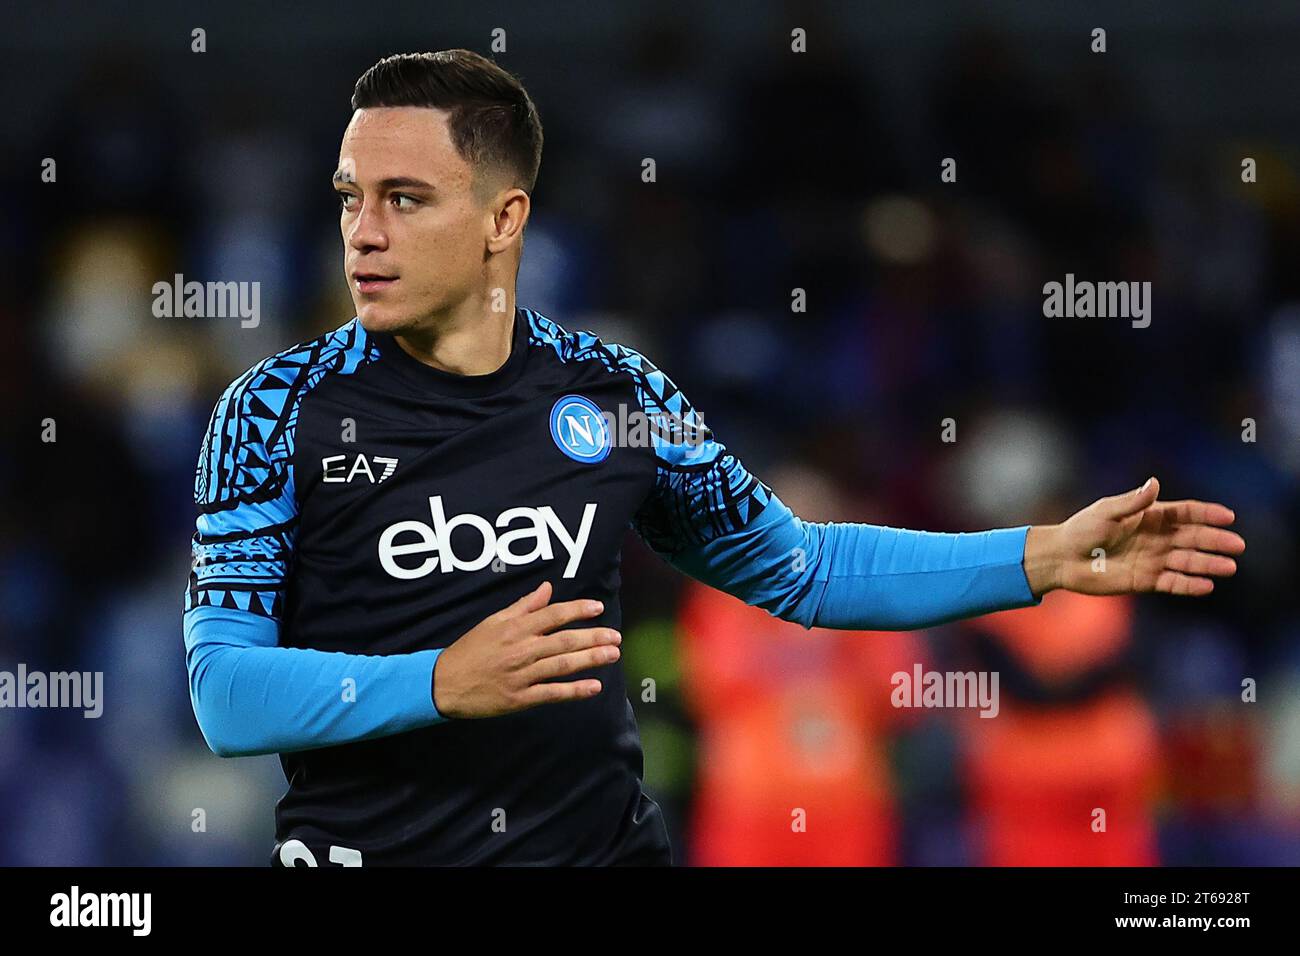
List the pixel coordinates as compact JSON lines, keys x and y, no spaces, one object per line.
{"x":493,"y":122}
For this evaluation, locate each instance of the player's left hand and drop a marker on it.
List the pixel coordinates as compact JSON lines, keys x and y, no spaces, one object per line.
{"x":1132,"y":543}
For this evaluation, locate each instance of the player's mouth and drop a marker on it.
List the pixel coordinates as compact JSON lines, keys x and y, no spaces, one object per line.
{"x":368,"y":282}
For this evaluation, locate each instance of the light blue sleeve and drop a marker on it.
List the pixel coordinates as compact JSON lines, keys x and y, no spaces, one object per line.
{"x":862,"y":576}
{"x":710,"y":518}
{"x":250,"y":694}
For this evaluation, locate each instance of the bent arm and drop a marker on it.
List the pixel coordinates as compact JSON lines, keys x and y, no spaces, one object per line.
{"x":862,"y":576}
{"x":252,"y":696}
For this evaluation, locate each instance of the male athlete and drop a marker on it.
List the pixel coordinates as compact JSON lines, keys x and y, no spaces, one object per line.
{"x":406,"y":567}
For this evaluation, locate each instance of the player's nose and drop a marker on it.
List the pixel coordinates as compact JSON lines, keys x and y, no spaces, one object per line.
{"x":367,"y":231}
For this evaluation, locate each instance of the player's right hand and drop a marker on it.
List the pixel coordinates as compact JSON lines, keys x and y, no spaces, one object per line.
{"x":508,"y":661}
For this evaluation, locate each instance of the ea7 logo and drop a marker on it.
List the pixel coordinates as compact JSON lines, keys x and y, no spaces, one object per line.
{"x":335,"y":468}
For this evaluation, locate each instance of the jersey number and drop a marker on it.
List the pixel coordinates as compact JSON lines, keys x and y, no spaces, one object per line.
{"x":293,"y":851}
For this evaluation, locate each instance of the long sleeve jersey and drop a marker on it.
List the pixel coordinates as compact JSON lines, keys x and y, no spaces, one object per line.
{"x":358,"y":511}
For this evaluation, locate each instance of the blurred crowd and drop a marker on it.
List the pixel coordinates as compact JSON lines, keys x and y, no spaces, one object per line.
{"x":775,"y":172}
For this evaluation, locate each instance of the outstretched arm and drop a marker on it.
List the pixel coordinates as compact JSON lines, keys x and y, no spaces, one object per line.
{"x":860,"y":576}
{"x":709,"y":517}
{"x":869,"y":577}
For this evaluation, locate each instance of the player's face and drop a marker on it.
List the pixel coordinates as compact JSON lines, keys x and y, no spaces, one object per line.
{"x":409,"y":214}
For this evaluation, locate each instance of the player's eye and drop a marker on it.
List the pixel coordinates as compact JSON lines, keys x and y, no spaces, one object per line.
{"x":343,"y":199}
{"x":400,"y":196}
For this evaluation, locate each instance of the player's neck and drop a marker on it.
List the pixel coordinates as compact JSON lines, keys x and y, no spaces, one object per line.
{"x":475,"y":340}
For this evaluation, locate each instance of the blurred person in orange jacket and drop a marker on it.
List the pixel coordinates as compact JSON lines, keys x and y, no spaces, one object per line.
{"x":792,"y":726}
{"x":1066,"y":775}
{"x":1067,"y":772}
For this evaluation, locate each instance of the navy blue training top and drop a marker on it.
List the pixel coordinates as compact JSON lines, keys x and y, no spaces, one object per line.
{"x":360,"y":510}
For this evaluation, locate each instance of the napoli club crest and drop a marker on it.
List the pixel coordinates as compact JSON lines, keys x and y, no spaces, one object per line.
{"x":580,"y":429}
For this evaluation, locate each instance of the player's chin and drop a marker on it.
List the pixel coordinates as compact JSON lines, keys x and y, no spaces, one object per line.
{"x":382,"y":317}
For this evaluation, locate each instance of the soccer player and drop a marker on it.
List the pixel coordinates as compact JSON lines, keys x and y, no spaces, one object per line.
{"x":406,"y":565}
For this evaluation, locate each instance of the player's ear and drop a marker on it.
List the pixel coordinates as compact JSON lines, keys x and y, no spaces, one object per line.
{"x":510,"y":209}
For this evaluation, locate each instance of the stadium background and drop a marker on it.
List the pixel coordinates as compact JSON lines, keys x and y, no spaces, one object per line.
{"x":775,"y":171}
